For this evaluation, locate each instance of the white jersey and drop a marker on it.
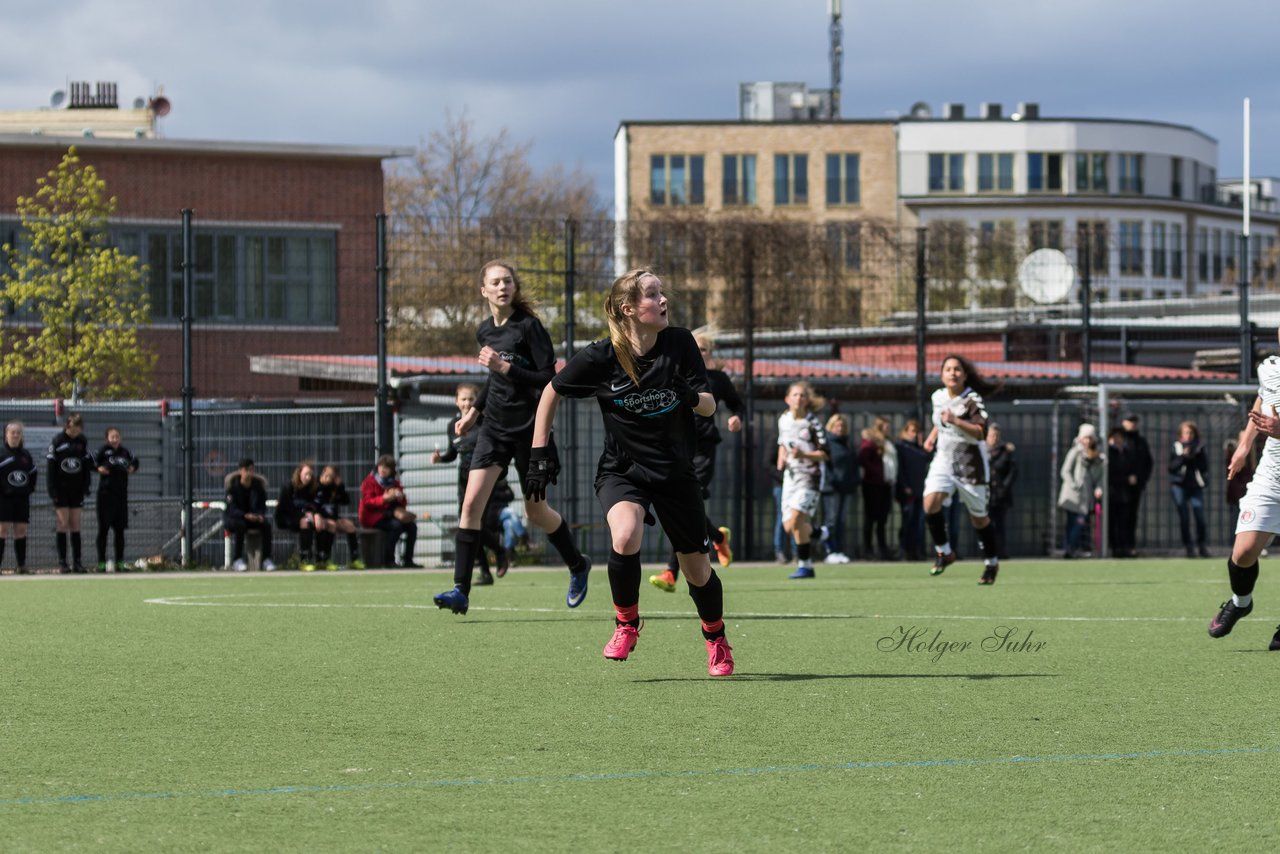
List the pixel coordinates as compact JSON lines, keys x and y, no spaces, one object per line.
{"x":1267,"y":476}
{"x":805,"y":434}
{"x":958,"y":453}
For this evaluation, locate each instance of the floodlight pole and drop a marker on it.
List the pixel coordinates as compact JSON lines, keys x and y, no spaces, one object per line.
{"x":382,"y":433}
{"x":188,"y":448}
{"x":1086,"y":307}
{"x":923,"y":410}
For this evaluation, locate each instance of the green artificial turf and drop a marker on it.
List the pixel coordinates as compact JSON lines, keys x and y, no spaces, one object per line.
{"x":344,"y":712}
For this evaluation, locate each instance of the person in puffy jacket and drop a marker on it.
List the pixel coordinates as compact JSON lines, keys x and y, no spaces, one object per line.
{"x":1081,"y":475}
{"x":1188,"y":466}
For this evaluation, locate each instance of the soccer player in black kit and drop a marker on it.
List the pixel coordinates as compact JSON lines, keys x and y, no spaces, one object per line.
{"x":68,"y":476}
{"x":18,"y":474}
{"x":516,"y":350}
{"x":649,"y":381}
{"x":115,"y":463}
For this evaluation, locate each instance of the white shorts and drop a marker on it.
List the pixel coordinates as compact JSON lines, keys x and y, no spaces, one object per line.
{"x":974,"y":495}
{"x":1258,"y":514}
{"x":799,"y":498}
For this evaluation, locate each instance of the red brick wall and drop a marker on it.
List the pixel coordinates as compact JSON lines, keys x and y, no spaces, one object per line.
{"x":230,"y":187}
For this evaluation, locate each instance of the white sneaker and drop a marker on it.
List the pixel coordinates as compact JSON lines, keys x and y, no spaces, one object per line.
{"x":240,"y":566}
{"x":834,"y":557}
{"x":268,"y":565}
{"x":111,"y":566}
{"x":843,"y":558}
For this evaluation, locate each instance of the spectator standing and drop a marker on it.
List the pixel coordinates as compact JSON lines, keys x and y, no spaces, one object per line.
{"x":383,"y":506}
{"x":913,"y":465}
{"x":1188,"y":466}
{"x":69,"y":474}
{"x":247,"y":511}
{"x":839,"y":484}
{"x":115,"y":463}
{"x":1081,"y":484}
{"x":1121,"y":475}
{"x":18,"y":475}
{"x":1140,"y":465}
{"x":877,"y":494}
{"x":1004,"y":471}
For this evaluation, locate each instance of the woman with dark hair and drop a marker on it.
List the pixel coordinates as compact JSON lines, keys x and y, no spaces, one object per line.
{"x":1188,"y":466}
{"x":383,"y":505}
{"x":297,"y":511}
{"x":115,"y":463}
{"x":516,"y":351}
{"x":650,"y":382}
{"x":69,"y":475}
{"x":960,"y":464}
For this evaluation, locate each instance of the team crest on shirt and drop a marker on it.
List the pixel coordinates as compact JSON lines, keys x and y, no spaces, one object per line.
{"x":71,"y":465}
{"x":1246,"y":516}
{"x":650,"y":402}
{"x":17,"y":479}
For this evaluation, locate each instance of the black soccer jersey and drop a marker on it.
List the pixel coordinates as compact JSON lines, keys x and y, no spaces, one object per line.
{"x":69,"y":466}
{"x":721,"y":388}
{"x":119,"y":463}
{"x":649,"y":434}
{"x":510,"y":401}
{"x":17,"y":471}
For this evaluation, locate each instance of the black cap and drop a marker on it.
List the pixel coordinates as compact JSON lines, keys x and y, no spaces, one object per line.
{"x":1129,"y":416}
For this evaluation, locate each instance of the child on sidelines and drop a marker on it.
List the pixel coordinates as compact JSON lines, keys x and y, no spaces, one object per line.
{"x":68,"y":478}
{"x":115,"y":463}
{"x":802,"y":449}
{"x":516,"y":351}
{"x":296,"y":511}
{"x":961,"y":462}
{"x":460,"y":448}
{"x":18,"y":474}
{"x":383,"y":505}
{"x":649,"y":381}
{"x":331,"y":497}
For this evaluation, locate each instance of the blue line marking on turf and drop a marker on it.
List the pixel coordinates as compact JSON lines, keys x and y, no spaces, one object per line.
{"x":626,"y":775}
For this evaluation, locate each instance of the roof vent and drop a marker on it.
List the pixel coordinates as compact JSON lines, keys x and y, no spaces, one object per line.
{"x":990,"y":110}
{"x":1029,"y":110}
{"x":953,"y":111}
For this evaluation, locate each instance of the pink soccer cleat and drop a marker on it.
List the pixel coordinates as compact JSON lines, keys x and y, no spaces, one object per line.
{"x":719,"y":657}
{"x":623,"y":641}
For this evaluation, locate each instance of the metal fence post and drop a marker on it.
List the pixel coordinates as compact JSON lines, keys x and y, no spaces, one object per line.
{"x":1086,"y":308}
{"x":188,"y":446}
{"x":381,"y":413}
{"x":570,"y":333}
{"x":923,"y":410}
{"x":1246,"y":326}
{"x":747,"y":467}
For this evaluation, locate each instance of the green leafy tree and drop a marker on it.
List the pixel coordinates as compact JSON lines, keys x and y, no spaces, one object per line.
{"x":75,"y":302}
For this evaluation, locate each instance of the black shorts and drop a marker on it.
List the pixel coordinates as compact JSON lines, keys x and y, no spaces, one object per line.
{"x":112,"y":514}
{"x":68,"y":500}
{"x":15,"y":508}
{"x":678,"y":506}
{"x":501,"y":449}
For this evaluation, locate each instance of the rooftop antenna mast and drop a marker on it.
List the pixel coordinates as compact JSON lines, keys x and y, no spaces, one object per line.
{"x":837,"y":54}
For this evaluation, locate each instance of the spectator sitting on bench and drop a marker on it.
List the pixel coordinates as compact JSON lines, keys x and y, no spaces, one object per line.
{"x":296,"y":510}
{"x":331,"y":496}
{"x":384,"y":506}
{"x":247,"y":511}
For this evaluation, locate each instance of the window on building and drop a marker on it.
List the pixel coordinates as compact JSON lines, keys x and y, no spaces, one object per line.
{"x":1202,"y":254}
{"x":1158,"y":250}
{"x":844,"y":183}
{"x":1175,"y":177}
{"x":739,"y":179}
{"x":791,"y":179}
{"x":1044,"y":234}
{"x":1130,"y":248}
{"x":1091,"y":172}
{"x":1159,"y":293}
{"x":253,"y":276}
{"x":1209,"y":189}
{"x":844,"y":245}
{"x":1131,"y":294}
{"x":1230,"y":271}
{"x":946,"y":173}
{"x":1044,"y":172}
{"x":995,"y":173}
{"x":1091,"y":235}
{"x":1217,"y":254}
{"x":1130,"y":173}
{"x":1175,"y":250}
{"x":996,"y":254}
{"x":676,"y":179}
{"x":1269,"y":261}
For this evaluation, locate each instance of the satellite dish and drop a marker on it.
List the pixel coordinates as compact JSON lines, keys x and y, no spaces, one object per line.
{"x":920,"y":110}
{"x":139,"y":103}
{"x":160,"y":105}
{"x":1046,"y":276}
{"x":56,"y":99}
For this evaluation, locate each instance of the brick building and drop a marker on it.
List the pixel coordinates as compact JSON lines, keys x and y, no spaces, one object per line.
{"x":284,"y":248}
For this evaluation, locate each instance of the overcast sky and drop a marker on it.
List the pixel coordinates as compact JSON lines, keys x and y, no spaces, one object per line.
{"x":562,"y":74}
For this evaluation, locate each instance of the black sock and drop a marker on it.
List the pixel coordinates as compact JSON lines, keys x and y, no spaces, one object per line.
{"x":466,"y":544}
{"x":20,"y":550}
{"x":562,"y":539}
{"x":1243,"y":578}
{"x":119,"y":544}
{"x":61,"y":539}
{"x":937,"y":524}
{"x":2,"y":542}
{"x":673,"y":562}
{"x":353,"y":546}
{"x":624,"y":579}
{"x":306,"y":541}
{"x":987,"y":539}
{"x":77,"y":546}
{"x":324,"y":545}
{"x":709,"y":601}
{"x":803,"y":550}
{"x":102,"y":545}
